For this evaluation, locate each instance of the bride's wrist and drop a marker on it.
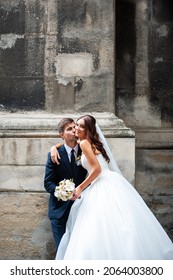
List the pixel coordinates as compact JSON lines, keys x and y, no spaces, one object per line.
{"x":53,"y":148}
{"x":79,"y":190}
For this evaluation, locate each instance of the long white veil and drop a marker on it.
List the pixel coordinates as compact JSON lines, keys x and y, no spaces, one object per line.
{"x":112,"y":164}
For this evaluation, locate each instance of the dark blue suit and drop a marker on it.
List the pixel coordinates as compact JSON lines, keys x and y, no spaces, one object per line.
{"x":54,"y":173}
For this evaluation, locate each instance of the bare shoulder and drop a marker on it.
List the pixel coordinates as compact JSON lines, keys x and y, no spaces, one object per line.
{"x":85,"y":144}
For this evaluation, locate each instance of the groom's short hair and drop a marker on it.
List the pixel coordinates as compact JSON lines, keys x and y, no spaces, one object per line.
{"x":62,"y":124}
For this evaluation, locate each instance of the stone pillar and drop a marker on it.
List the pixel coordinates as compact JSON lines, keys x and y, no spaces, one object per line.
{"x":143,"y":110}
{"x":50,"y":54}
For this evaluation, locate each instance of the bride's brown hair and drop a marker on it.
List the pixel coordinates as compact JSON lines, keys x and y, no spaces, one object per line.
{"x":90,"y":126}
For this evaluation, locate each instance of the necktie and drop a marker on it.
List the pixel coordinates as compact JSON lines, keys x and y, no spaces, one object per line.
{"x":72,"y":162}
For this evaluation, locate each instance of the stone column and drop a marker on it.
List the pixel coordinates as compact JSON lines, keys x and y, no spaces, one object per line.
{"x":50,"y":53}
{"x":143,"y":109}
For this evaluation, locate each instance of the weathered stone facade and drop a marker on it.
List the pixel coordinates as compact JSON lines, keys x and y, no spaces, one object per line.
{"x":70,"y":57}
{"x":39,"y":38}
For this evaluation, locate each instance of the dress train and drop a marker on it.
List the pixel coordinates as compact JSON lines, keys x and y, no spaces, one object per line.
{"x":111,"y":221}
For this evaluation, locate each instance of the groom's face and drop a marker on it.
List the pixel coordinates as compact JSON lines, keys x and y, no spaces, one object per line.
{"x":69,"y":134}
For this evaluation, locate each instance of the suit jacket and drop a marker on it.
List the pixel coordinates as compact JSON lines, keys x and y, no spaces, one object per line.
{"x":55,"y":173}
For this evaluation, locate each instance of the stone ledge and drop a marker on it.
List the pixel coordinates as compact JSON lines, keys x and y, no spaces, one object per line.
{"x":154,"y":138}
{"x":38,"y":124}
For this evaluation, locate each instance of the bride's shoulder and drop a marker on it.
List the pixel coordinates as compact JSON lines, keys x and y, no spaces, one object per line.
{"x":85,"y":144}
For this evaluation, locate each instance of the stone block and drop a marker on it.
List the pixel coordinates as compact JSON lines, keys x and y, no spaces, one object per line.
{"x":154,"y":181}
{"x":72,"y":65}
{"x":123,"y":150}
{"x":22,"y":178}
{"x":25,"y":151}
{"x":156,"y":166}
{"x":25,"y":228}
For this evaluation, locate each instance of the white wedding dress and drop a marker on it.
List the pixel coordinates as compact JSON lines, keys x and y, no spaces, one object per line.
{"x":112,"y":222}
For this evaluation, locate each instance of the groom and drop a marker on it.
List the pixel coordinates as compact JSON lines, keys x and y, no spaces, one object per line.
{"x":54,"y":173}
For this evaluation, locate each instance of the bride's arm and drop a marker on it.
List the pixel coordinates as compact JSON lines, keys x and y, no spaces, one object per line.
{"x":54,"y":153}
{"x":93,"y":162}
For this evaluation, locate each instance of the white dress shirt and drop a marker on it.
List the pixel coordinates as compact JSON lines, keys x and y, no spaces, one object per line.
{"x":68,"y":149}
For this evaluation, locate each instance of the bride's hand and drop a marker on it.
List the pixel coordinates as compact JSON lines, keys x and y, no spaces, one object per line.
{"x":55,"y":157}
{"x":77,"y":194}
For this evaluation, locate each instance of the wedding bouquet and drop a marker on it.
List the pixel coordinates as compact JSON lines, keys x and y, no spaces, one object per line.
{"x":65,"y":190}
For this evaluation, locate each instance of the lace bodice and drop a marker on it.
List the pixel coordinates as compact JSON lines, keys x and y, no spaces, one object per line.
{"x":101,"y":159}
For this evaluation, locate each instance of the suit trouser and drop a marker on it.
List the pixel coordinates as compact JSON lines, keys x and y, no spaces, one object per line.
{"x":58,"y":227}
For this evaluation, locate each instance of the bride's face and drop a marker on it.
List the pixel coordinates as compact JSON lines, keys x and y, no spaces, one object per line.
{"x":80,"y":130}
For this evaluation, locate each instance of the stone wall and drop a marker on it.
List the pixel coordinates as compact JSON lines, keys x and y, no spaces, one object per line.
{"x":154,"y":176}
{"x":57,"y":55}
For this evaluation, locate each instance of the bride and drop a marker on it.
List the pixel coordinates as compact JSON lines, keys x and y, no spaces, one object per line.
{"x":109,"y":219}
